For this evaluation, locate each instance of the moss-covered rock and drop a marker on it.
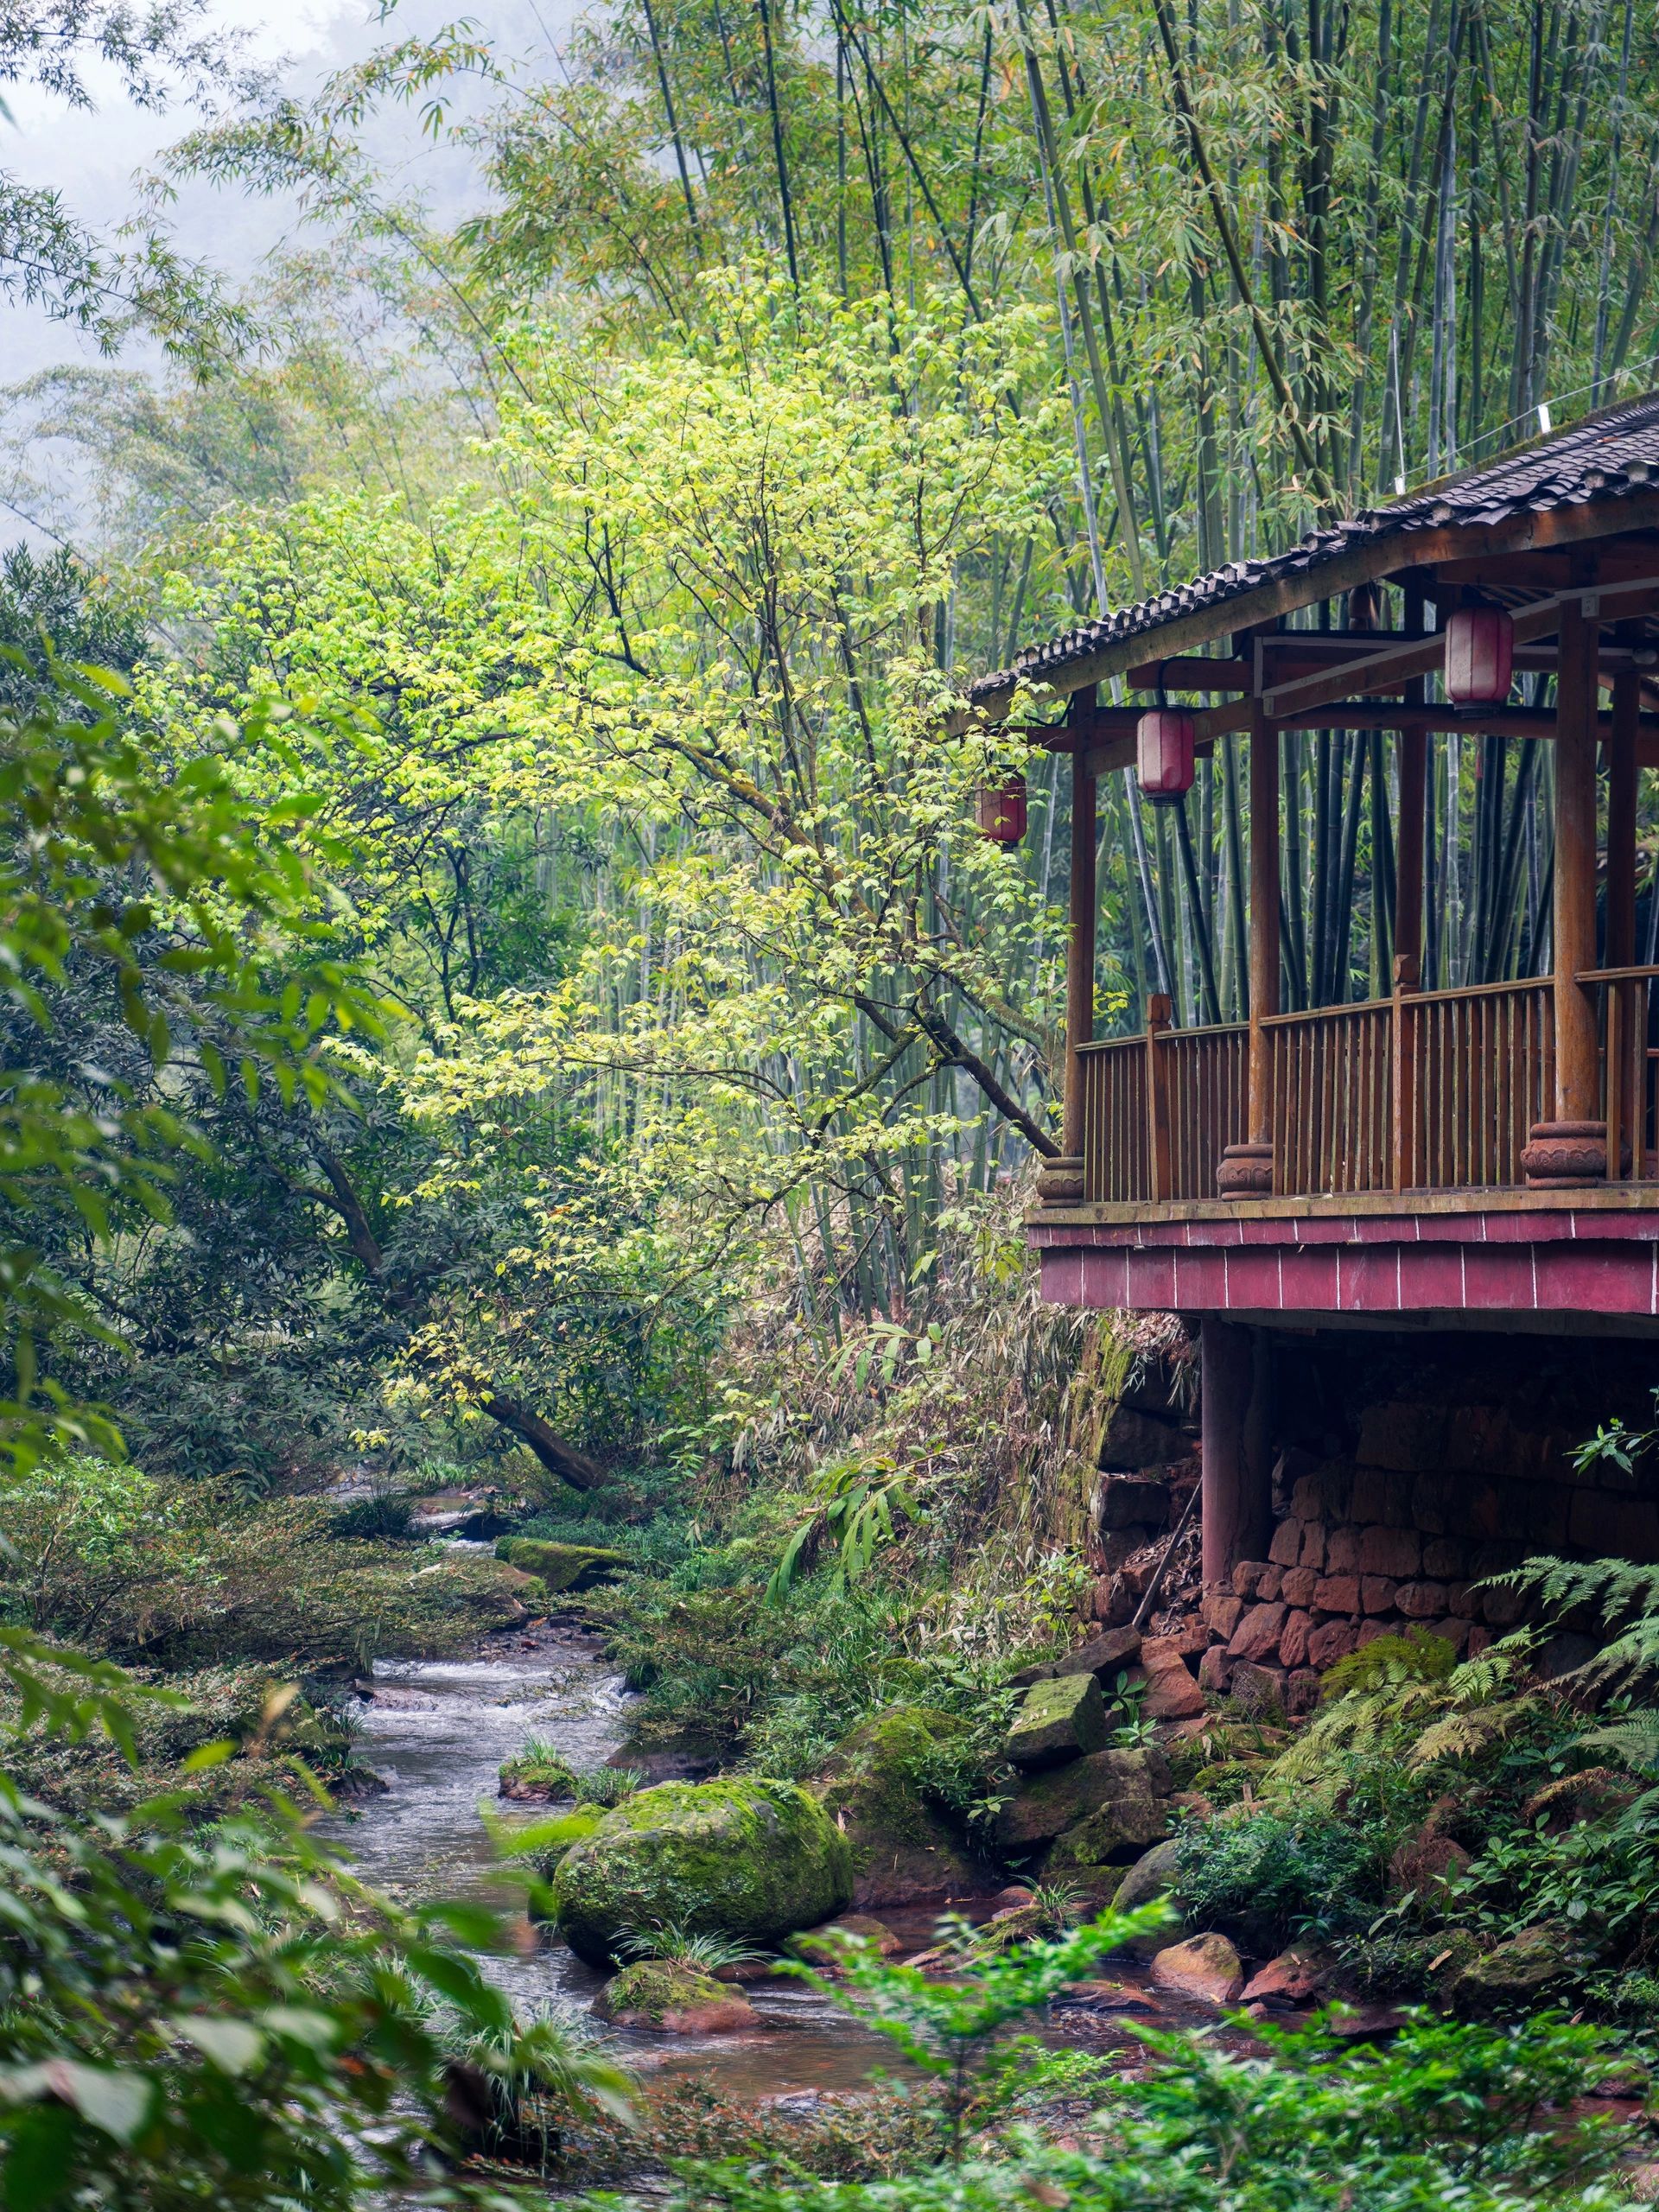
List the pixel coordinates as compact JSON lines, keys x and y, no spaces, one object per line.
{"x":560,"y":1568}
{"x":744,"y":1857}
{"x":674,"y":2000}
{"x":545,"y":1844}
{"x":1059,"y":1799}
{"x":1152,"y":1876}
{"x":1061,"y":1718}
{"x":827,"y":1947}
{"x":539,"y":1779}
{"x":1517,"y":1977}
{"x":1132,"y":1812}
{"x":880,"y":1788}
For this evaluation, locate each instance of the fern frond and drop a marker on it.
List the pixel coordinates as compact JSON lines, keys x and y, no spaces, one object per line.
{"x":1618,"y":1588}
{"x":1493,"y":1671}
{"x":1461,"y":1734}
{"x":1416,"y":1656}
{"x":1634,"y":1738}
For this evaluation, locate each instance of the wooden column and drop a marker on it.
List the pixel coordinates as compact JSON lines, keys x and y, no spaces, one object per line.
{"x":1409,"y":843}
{"x":1080,"y":947}
{"x":1620,"y":950}
{"x":1572,"y":1148}
{"x":1062,"y":1180}
{"x":1625,"y":1039}
{"x":1235,"y":1414}
{"x":1247,"y":1169}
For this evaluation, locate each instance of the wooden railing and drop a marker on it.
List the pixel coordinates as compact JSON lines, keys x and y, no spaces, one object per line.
{"x":1629,"y":1071}
{"x":1426,"y":1090}
{"x":1332,"y":1097}
{"x":1480,"y":1071}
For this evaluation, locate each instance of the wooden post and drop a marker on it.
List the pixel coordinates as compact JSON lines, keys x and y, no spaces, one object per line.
{"x":1236,"y":1421}
{"x":1626,"y":1002}
{"x":1572,"y":1148}
{"x":1414,"y":784}
{"x":1621,"y":821}
{"x":1247,"y":1169}
{"x":1160,"y":1158}
{"x":1062,"y":1180}
{"x":1403,"y":1075}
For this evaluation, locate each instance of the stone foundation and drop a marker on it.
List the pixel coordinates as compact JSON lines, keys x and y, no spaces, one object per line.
{"x":1407,"y":1469}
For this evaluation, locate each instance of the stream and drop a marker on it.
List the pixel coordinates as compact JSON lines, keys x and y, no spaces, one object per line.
{"x":437,"y":1731}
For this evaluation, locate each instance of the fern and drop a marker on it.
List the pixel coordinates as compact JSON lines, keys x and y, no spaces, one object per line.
{"x":1624,"y":1595}
{"x":1634,"y":1737}
{"x":1416,"y":1656}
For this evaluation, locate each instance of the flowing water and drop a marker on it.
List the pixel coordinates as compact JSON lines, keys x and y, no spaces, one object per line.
{"x":437,"y":1731}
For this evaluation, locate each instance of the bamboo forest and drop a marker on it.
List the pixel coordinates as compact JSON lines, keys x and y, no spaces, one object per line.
{"x":830,"y":1136}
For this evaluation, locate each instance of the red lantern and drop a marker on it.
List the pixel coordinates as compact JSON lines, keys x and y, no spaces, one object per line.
{"x":1479,"y":657}
{"x":1163,"y":754}
{"x":1002,"y":812}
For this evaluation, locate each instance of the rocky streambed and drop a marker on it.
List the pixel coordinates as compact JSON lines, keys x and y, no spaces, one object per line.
{"x":438,"y":1732}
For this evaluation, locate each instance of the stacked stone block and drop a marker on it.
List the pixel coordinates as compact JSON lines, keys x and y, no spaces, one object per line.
{"x":1407,"y":1473}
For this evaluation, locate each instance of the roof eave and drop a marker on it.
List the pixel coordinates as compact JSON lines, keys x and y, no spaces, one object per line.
{"x":1391,"y":554}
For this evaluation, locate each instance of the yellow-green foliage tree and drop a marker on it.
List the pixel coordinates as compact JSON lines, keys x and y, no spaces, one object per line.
{"x":690,"y":614}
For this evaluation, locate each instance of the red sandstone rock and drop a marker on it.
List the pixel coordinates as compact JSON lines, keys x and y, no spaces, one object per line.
{"x":1341,"y":1551}
{"x":1271,"y":1586}
{"x":1444,"y":1557}
{"x":1171,"y":1693}
{"x":1287,"y":1547}
{"x":1421,"y":1601}
{"x":1298,"y":1586}
{"x":1459,"y":1599}
{"x":1257,"y":1635}
{"x":1397,"y":1552}
{"x":1247,"y":1575}
{"x":1220,"y":1613}
{"x":1376,"y":1594}
{"x":1456,"y":1630}
{"x":1313,"y":1551}
{"x":1205,"y":1966}
{"x":1259,"y":1690}
{"x":1291,"y":1977}
{"x":1478,"y":1639}
{"x":1370,"y":1630}
{"x":1503,"y":1608}
{"x":1301,"y":1692}
{"x":1332,"y":1641}
{"x":1214,"y":1670}
{"x":1338,"y":1594}
{"x":1293,"y":1643}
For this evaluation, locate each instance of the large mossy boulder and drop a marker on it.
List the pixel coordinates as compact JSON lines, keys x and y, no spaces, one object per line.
{"x":560,"y":1568}
{"x":883,"y":1787}
{"x":1132,"y":1812}
{"x":743,"y":1857}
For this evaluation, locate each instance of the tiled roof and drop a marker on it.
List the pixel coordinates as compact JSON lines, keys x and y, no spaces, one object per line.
{"x":1606,"y":456}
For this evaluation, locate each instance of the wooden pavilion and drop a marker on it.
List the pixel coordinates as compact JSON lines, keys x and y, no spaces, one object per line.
{"x":1483,"y":1157}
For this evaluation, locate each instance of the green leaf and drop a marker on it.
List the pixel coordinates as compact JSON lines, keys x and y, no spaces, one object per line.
{"x":231,"y":2045}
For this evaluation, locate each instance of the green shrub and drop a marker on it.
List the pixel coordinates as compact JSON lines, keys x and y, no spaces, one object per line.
{"x":1271,"y":1876}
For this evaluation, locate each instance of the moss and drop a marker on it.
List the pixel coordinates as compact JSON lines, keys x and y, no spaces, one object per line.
{"x":548,"y":1778}
{"x":559,"y":1567}
{"x":746,"y":1857}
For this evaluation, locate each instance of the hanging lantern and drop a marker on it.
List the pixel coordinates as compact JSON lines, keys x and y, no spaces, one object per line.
{"x":1479,"y":657}
{"x":1002,"y":812}
{"x":1163,"y":754}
